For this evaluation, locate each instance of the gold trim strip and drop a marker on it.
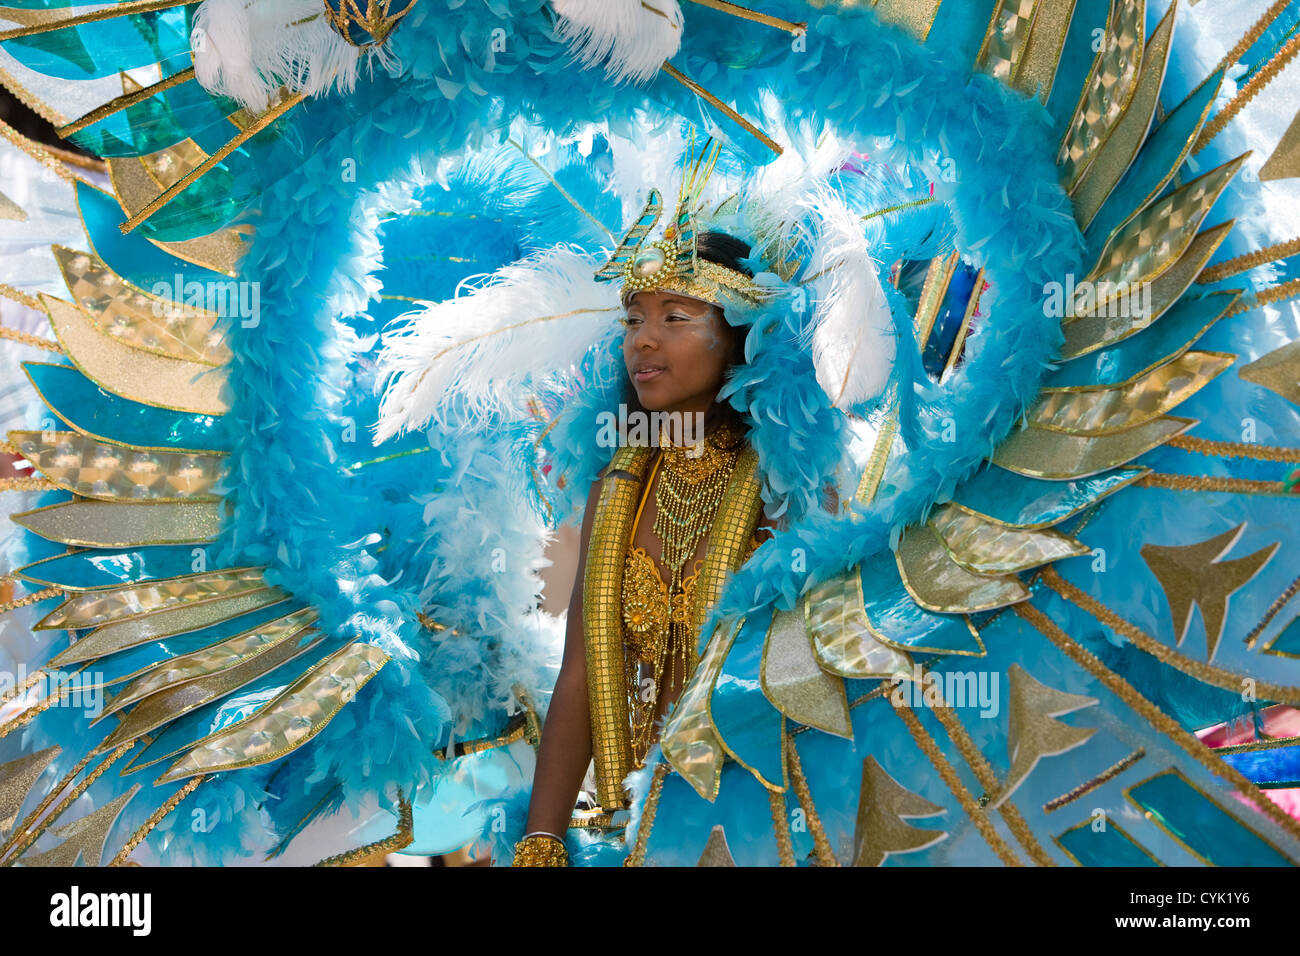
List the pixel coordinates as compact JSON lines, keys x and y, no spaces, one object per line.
{"x":799,"y":783}
{"x":1202,"y":671}
{"x":123,"y":9}
{"x":746,"y":14}
{"x":1251,"y":35}
{"x":404,"y":836}
{"x":1085,"y":788}
{"x":155,"y":818}
{"x":1230,"y":449}
{"x":708,"y":97}
{"x":637,"y":856}
{"x":1248,"y":92}
{"x":780,"y":828}
{"x":1251,"y":260}
{"x":1157,"y":718}
{"x":975,"y":759}
{"x":184,"y":183}
{"x":126,"y":100}
{"x":973,"y":810}
{"x":1274,"y":609}
{"x":26,"y":338}
{"x":1241,"y":486}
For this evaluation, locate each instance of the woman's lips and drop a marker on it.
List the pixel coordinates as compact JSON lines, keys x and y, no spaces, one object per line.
{"x":648,"y":373}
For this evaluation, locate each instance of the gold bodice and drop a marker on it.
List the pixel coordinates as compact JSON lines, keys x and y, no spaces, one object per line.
{"x":626,"y":605}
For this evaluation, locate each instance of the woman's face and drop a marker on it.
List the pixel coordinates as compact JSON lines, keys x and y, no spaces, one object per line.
{"x":676,"y":349}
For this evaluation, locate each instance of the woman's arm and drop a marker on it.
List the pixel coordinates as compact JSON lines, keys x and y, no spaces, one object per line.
{"x":565,"y":749}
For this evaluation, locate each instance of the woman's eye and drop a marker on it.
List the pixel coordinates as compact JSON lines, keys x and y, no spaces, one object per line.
{"x":628,"y":320}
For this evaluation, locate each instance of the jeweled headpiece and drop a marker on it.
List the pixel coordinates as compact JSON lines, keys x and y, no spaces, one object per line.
{"x":673,"y":262}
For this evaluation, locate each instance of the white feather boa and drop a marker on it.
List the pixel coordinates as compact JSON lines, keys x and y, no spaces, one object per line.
{"x":248,"y":49}
{"x":631,"y":37}
{"x":537,"y":317}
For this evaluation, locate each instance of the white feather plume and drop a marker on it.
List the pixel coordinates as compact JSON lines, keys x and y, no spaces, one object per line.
{"x":631,"y":37}
{"x":538,"y":316}
{"x":852,"y":329}
{"x":248,"y":49}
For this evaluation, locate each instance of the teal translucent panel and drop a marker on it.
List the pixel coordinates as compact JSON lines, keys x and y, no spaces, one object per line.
{"x":1019,"y":500}
{"x":897,"y":618}
{"x":1288,"y":642}
{"x":114,"y":667}
{"x":106,"y":47}
{"x":1156,"y":160}
{"x":132,"y":256}
{"x":185,"y":111}
{"x":1201,"y":825}
{"x":233,"y":708}
{"x":745,"y":719}
{"x":1108,"y":847}
{"x":1175,"y":330}
{"x":93,"y":569}
{"x":100,"y":414}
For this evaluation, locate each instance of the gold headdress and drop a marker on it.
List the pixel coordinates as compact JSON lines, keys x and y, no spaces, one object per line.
{"x":673,"y":263}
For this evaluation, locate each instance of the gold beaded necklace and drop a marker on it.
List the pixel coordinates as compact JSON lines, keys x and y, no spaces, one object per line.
{"x":657,"y":615}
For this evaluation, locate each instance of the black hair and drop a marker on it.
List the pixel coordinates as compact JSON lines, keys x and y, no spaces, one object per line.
{"x":726,"y":250}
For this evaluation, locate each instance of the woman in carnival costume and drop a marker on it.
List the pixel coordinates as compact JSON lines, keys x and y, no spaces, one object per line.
{"x":1010,"y":367}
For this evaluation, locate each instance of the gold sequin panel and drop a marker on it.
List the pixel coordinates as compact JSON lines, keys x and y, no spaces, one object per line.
{"x":97,"y":470}
{"x":139,"y":320}
{"x":94,"y":608}
{"x":290,"y":720}
{"x":1107,"y":90}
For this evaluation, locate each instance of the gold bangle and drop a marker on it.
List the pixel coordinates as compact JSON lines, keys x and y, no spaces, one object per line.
{"x":540,"y":851}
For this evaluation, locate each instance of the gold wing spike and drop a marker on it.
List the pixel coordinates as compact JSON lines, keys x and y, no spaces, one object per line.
{"x":1007,"y":37}
{"x":1285,"y":161}
{"x":1134,"y":306}
{"x":1278,"y":371}
{"x":631,"y":243}
{"x":1032,"y":730}
{"x":1036,"y":72}
{"x":93,"y":608}
{"x":17,"y":777}
{"x":884,"y":806}
{"x":1156,"y":238}
{"x":1041,"y":453}
{"x":689,"y":742}
{"x":163,"y":326}
{"x":843,"y":640}
{"x":118,"y":524}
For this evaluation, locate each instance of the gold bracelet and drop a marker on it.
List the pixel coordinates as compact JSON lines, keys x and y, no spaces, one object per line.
{"x":540,"y":851}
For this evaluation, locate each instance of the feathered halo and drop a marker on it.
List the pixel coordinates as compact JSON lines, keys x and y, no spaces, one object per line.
{"x":533,"y":329}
